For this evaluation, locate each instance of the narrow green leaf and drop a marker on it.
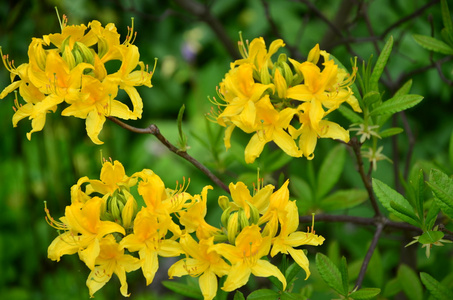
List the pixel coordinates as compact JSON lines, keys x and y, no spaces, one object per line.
{"x":238,"y":296}
{"x":442,"y":187}
{"x":291,"y":273}
{"x":365,"y":293}
{"x":430,"y":237}
{"x":397,"y":104}
{"x":446,"y":18}
{"x":419,"y":188}
{"x":387,"y":195}
{"x":343,"y":199}
{"x":290,"y":296}
{"x":406,"y":214}
{"x":330,"y":170}
{"x":371,"y":97}
{"x":392,"y":287}
{"x":431,"y":216}
{"x":263,"y":294}
{"x":390,"y":132}
{"x":410,"y":283}
{"x":329,"y":273}
{"x":375,"y":264}
{"x":351,"y":115}
{"x":433,"y":44}
{"x":405,"y":89}
{"x":437,"y":290}
{"x":450,"y":150}
{"x":183,"y":289}
{"x":380,"y":64}
{"x":344,"y":274}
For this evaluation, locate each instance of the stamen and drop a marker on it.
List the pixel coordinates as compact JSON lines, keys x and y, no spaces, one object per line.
{"x":51,"y":221}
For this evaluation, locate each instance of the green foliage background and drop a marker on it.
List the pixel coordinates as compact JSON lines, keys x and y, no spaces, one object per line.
{"x":47,"y":166}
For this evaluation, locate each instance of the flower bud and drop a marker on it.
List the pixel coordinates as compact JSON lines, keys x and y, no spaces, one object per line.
{"x":86,"y":52}
{"x":103,"y":47}
{"x":115,"y":209}
{"x":69,"y":58}
{"x":224,"y":202}
{"x":242,"y":219}
{"x":265,"y":76}
{"x":232,"y":228}
{"x":129,"y":211}
{"x":313,"y":55}
{"x":225,"y":216}
{"x":254,"y":214}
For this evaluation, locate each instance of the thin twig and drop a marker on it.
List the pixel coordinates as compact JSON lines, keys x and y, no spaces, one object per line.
{"x":154,"y":130}
{"x":369,"y":254}
{"x":356,"y":147}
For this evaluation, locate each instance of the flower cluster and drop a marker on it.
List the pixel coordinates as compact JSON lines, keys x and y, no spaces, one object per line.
{"x":71,"y":67}
{"x":282,"y":102}
{"x":106,"y":228}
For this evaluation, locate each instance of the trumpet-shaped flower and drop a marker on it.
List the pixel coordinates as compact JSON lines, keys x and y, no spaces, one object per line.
{"x":245,"y":258}
{"x":84,"y":229}
{"x":111,"y":260}
{"x":289,"y":238}
{"x":201,"y":261}
{"x":149,"y":240}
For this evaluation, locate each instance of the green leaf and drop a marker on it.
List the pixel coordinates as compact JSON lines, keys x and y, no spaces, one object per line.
{"x":380,"y":64}
{"x":433,"y":44}
{"x":405,"y":89}
{"x":290,"y":296}
{"x":431,"y":216}
{"x":397,"y":104}
{"x":390,"y":132}
{"x":344,"y":274}
{"x":405,"y":213}
{"x":330,"y":170}
{"x":450,"y":150}
{"x":291,"y":273}
{"x":392,"y":287}
{"x":330,"y":273}
{"x":238,"y":296}
{"x":183,"y":289}
{"x":387,"y":195}
{"x":442,"y":187}
{"x":430,"y":237}
{"x":446,"y":19}
{"x":351,"y":115}
{"x":371,"y":97}
{"x":263,"y":294}
{"x":410,"y":283}
{"x":343,"y":199}
{"x":437,"y":290}
{"x":365,"y":293}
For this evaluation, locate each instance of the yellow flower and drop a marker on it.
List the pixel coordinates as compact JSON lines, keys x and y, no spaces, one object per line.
{"x":111,"y":260}
{"x":257,"y":54}
{"x":84,"y":230}
{"x":242,"y":198}
{"x":202,"y":262}
{"x":308,"y":134}
{"x":289,"y":238}
{"x":270,"y":126}
{"x":193,"y":219}
{"x":149,"y":240}
{"x":245,"y":256}
{"x":113,"y":177}
{"x":276,"y":211}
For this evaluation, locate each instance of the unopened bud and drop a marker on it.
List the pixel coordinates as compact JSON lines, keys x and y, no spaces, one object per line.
{"x":129,"y":211}
{"x":69,"y":58}
{"x":224,"y":202}
{"x":242,"y":219}
{"x":265,"y":76}
{"x":313,"y":55}
{"x":103,"y":47}
{"x":232,"y":228}
{"x":86,"y":52}
{"x":254,"y":214}
{"x":114,"y":209}
{"x":225,"y":217}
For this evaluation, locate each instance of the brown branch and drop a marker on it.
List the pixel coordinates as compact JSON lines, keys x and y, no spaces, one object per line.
{"x":366,"y":179}
{"x":154,"y":130}
{"x":369,"y":254}
{"x":203,"y":13}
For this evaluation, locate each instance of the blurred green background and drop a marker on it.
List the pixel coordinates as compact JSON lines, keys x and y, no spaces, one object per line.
{"x":191,"y":62}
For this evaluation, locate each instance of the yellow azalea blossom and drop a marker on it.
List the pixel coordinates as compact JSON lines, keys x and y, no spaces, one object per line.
{"x":245,"y":258}
{"x":74,"y":72}
{"x":271,"y":126}
{"x":257,"y":54}
{"x":289,"y":238}
{"x":84,"y":230}
{"x":201,"y":262}
{"x":113,"y":176}
{"x":161,"y":201}
{"x":149,"y":240}
{"x":308,"y":135}
{"x":242,"y":198}
{"x":193,"y":219}
{"x":111,"y":260}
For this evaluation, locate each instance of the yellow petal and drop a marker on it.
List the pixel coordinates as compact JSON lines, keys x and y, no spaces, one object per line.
{"x":94,"y":123}
{"x":264,"y":268}
{"x":301,"y":259}
{"x":208,"y":285}
{"x":238,"y":276}
{"x":254,"y":148}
